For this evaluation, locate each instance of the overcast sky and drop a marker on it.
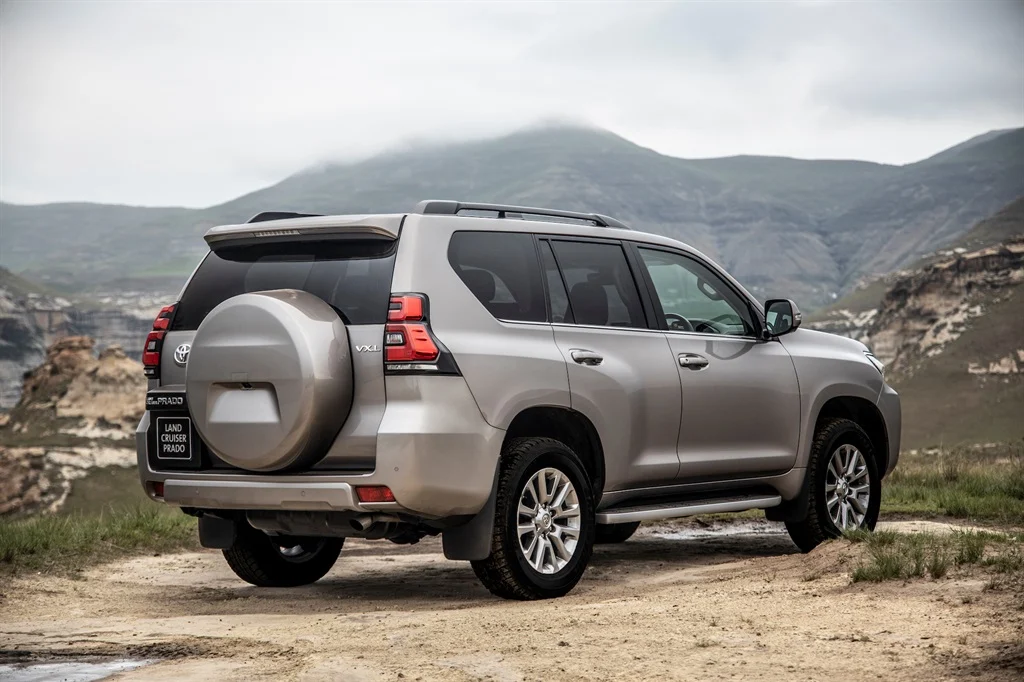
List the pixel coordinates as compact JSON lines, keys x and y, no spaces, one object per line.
{"x":195,"y":103}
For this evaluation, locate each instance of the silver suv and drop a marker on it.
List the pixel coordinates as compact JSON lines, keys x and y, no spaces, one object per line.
{"x":524,"y":382}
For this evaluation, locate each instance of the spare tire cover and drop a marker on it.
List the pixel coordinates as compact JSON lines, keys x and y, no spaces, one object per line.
{"x":269,"y":379}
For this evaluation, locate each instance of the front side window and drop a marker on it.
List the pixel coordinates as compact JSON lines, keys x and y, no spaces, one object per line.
{"x":694,"y":298}
{"x":501,"y":270}
{"x":602,"y":291}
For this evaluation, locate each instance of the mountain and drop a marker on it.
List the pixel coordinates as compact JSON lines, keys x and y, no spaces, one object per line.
{"x":951,"y":332}
{"x":809,"y":230}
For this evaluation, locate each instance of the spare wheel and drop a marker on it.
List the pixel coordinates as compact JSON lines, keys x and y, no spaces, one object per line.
{"x":269,"y":379}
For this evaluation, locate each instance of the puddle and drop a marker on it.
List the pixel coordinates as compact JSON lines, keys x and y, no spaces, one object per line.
{"x":66,"y":671}
{"x":718,"y":530}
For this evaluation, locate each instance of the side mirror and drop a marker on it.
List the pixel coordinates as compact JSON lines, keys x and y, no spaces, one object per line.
{"x":782,"y":317}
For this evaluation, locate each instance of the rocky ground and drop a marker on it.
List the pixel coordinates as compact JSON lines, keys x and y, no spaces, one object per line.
{"x":668,"y":604}
{"x":77,"y":412}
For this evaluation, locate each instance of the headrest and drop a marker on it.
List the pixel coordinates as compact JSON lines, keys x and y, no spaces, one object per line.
{"x":589,"y":303}
{"x":481,"y":283}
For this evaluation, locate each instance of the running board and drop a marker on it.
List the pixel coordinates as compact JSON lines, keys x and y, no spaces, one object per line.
{"x":674,"y":510}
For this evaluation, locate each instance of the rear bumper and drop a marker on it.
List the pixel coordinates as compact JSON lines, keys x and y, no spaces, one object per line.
{"x":434,"y":451}
{"x":889,"y":407}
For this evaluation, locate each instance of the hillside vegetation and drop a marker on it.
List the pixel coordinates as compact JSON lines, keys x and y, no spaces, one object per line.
{"x":804,"y":229}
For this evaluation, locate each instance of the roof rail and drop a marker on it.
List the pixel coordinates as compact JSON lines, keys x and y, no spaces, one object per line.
{"x":443,"y":207}
{"x":279,"y":215}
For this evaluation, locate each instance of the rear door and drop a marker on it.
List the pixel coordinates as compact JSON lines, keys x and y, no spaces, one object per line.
{"x":741,"y":400}
{"x":621,"y":372}
{"x":352,"y":275}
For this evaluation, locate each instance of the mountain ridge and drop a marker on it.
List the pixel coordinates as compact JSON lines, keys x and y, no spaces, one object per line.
{"x":808,"y":229}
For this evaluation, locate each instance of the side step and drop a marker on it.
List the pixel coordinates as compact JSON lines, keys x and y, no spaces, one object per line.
{"x":673,"y":510}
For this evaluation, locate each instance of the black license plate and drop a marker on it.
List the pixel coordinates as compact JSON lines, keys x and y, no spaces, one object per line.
{"x":174,"y":438}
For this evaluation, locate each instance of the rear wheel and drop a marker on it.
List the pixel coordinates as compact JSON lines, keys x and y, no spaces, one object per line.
{"x":275,"y":561}
{"x":845,"y":490}
{"x":613,"y":533}
{"x":543,"y":525}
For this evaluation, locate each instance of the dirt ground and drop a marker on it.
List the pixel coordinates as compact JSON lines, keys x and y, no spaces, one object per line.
{"x":738,"y":604}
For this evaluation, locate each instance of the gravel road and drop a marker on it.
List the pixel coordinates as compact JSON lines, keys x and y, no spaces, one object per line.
{"x":679,"y":602}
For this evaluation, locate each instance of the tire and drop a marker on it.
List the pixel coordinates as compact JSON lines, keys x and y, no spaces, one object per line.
{"x":508,"y":572}
{"x":261,"y":560}
{"x":833,"y":439}
{"x":614,"y":533}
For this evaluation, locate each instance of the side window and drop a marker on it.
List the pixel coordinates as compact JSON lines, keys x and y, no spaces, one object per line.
{"x":501,"y":270}
{"x":694,"y":298}
{"x":601,"y":287}
{"x":558,"y":298}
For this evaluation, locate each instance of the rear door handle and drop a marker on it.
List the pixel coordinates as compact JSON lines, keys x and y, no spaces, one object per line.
{"x":585,"y":357}
{"x":692,"y":361}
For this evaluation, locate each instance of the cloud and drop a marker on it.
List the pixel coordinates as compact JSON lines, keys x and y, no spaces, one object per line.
{"x":195,"y":103}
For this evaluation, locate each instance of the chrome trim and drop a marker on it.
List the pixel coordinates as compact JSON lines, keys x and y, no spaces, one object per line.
{"x":660,"y":513}
{"x":699,"y":335}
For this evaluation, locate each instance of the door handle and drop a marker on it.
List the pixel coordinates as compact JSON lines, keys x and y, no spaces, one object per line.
{"x":585,"y":357}
{"x":692,"y":361}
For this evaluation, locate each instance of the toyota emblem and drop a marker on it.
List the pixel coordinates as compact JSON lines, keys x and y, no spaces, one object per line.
{"x":181,"y":354}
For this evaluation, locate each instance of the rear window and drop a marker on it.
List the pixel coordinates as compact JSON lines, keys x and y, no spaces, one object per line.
{"x":353,"y":277}
{"x":502,"y":271}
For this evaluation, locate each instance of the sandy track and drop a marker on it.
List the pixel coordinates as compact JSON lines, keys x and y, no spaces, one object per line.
{"x":736,"y":607}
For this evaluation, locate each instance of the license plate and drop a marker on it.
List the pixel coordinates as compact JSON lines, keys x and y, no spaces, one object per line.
{"x":174,"y":438}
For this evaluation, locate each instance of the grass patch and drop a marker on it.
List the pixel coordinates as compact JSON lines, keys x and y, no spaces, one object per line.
{"x":73,"y":541}
{"x":897,"y":556}
{"x":970,"y":483}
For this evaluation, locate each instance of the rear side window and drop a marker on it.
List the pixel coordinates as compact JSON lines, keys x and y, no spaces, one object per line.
{"x":602,"y":291}
{"x":501,"y":270}
{"x":353,"y":277}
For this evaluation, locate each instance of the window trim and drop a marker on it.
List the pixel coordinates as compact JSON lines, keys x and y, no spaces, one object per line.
{"x":630,"y":264}
{"x":660,"y":312}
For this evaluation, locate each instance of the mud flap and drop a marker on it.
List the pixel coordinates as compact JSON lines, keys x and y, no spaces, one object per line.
{"x":793,"y":510}
{"x":472,"y":540}
{"x":217,"y":533}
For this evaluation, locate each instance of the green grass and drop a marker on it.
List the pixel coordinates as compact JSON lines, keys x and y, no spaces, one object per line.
{"x":106,"y":489}
{"x":896,"y":556}
{"x":69,"y":542}
{"x":981,"y":484}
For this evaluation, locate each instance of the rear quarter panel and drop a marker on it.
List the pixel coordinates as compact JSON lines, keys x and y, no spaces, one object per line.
{"x":508,"y":366}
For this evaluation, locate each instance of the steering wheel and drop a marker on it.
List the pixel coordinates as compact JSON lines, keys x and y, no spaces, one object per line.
{"x":710,"y":326}
{"x":678,"y":322}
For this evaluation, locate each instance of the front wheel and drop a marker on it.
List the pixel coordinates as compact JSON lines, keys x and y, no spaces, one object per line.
{"x":543,"y":523}
{"x":269,"y":561}
{"x":845,"y":491}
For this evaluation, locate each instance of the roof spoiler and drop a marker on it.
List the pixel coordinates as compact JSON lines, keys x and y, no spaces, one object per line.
{"x":444,"y":207}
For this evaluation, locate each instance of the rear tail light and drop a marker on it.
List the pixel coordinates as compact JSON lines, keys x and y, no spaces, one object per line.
{"x":409,"y":345}
{"x":155,"y":342}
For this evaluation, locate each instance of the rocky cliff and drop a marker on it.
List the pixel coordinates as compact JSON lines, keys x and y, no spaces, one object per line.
{"x":31,"y":319}
{"x":926,"y":310}
{"x":951,"y":333}
{"x":76,"y":412}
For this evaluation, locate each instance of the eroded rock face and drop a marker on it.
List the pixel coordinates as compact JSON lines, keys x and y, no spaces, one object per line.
{"x":927,"y":309}
{"x":76,"y":412}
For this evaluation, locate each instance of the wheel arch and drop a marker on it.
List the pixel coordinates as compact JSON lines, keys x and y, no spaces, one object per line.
{"x":567,"y":426}
{"x":472,"y":540}
{"x":866,"y":415}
